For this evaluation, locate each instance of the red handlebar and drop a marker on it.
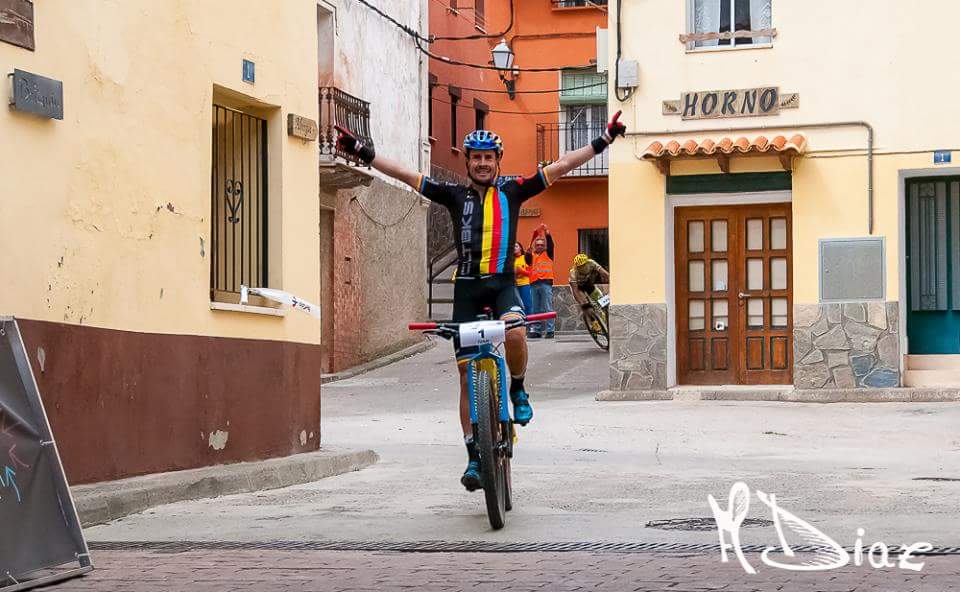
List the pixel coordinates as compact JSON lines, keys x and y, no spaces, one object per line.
{"x":422,"y":326}
{"x":541,"y":316}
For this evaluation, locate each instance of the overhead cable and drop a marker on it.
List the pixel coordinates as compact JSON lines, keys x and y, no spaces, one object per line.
{"x":418,"y":39}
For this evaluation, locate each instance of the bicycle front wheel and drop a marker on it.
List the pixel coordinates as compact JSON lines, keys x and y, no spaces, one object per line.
{"x":488,"y":443}
{"x":601,"y":337}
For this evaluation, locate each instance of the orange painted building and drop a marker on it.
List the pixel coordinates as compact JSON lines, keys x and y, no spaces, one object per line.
{"x":560,"y":34}
{"x":455,"y":110}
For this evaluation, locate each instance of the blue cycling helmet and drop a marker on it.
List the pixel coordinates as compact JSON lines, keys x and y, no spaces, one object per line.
{"x":483,"y":140}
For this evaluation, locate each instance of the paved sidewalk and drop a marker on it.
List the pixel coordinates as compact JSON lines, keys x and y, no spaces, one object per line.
{"x":347,"y":571}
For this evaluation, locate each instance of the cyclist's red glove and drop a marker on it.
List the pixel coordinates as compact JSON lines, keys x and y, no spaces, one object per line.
{"x":349,"y":143}
{"x":614,"y":129}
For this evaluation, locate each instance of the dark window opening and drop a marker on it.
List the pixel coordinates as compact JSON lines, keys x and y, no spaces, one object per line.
{"x":595,"y":243}
{"x":480,"y":114}
{"x":741,"y":20}
{"x":433,"y":85}
{"x":454,"y":103}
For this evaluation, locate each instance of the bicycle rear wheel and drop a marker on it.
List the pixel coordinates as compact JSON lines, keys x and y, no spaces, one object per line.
{"x":491,"y":455}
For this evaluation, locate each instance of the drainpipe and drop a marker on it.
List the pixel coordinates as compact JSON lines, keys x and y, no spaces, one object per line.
{"x":420,"y":68}
{"x":822,"y":125}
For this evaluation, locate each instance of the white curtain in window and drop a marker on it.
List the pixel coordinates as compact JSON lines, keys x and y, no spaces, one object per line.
{"x":761,"y":17}
{"x":706,"y":19}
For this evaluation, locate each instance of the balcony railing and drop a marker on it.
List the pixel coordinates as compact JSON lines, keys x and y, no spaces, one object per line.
{"x":347,"y":111}
{"x":556,"y":139}
{"x":574,"y":3}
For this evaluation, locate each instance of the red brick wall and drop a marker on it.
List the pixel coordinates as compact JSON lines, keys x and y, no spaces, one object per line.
{"x":347,"y":301}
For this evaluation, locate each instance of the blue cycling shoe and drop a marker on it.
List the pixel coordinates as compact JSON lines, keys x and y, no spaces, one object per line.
{"x":522,"y":411}
{"x":471,"y":477}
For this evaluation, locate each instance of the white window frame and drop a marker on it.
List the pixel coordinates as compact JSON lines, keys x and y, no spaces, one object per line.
{"x":691,"y":46}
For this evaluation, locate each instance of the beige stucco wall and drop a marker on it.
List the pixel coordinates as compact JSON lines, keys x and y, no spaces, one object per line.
{"x":848,"y":62}
{"x":87,"y":233}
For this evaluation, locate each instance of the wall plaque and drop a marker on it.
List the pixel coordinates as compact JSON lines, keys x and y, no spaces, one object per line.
{"x":36,"y":94}
{"x":302,"y":127}
{"x":16,"y":23}
{"x":529,"y":212}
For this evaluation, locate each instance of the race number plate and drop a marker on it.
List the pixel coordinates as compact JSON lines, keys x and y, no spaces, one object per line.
{"x":604,"y":300}
{"x":482,"y":333}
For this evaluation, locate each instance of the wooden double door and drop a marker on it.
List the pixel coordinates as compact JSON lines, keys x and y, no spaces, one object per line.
{"x":734,"y":294}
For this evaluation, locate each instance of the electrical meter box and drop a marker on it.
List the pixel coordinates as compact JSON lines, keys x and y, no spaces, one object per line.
{"x":628,"y":74}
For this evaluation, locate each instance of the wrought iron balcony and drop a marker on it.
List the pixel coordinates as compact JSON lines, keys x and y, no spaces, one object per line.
{"x":338,"y":108}
{"x":574,"y":3}
{"x":556,"y":139}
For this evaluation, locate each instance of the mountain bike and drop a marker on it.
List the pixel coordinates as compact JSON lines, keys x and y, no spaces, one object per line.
{"x":600,"y":329}
{"x":489,"y":411}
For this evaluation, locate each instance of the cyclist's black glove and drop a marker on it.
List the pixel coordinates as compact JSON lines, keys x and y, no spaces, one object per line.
{"x":586,"y":306}
{"x":349,"y":143}
{"x":614,"y":129}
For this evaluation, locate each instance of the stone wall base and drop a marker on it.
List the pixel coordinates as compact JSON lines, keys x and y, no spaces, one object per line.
{"x":788,"y":395}
{"x":849,"y":345}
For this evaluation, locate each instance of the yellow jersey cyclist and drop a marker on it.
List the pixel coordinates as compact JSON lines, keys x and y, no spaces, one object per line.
{"x":584,"y":277}
{"x":485,"y":213}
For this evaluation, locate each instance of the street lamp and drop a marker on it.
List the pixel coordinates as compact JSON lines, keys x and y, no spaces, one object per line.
{"x":503,"y":58}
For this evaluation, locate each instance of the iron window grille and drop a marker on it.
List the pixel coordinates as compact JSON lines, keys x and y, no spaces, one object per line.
{"x":582,"y":123}
{"x":238,"y":184}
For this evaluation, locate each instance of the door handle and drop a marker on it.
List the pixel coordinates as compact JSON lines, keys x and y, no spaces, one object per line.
{"x":741,"y":295}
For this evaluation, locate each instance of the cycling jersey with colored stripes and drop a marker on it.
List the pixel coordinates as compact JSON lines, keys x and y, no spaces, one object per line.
{"x":485,"y":228}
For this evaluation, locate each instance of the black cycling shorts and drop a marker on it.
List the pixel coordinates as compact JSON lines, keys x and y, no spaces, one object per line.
{"x":472,"y":295}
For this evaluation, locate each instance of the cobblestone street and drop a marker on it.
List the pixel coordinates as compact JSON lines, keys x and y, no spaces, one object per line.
{"x":349,"y":571}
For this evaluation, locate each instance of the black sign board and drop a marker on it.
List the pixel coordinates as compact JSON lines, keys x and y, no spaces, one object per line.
{"x":16,"y":23}
{"x":37,"y":94}
{"x":40,"y":530}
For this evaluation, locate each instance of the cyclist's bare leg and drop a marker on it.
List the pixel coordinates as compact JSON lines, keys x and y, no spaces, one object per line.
{"x":581,"y":298}
{"x":516,"y":347}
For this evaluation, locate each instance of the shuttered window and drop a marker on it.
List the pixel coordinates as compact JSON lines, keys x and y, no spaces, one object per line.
{"x":578,"y":87}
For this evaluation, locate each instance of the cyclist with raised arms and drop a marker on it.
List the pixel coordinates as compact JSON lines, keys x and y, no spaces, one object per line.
{"x":485,"y":215}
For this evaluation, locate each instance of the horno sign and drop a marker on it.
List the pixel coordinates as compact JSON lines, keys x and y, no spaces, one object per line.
{"x":721,"y":104}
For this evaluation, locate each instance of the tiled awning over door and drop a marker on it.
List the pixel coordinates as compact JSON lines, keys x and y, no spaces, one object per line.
{"x":725,"y":148}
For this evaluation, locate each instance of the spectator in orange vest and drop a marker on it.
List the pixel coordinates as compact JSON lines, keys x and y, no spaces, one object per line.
{"x":541,"y":279}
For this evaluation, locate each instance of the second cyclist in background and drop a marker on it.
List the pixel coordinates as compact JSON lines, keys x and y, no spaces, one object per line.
{"x":584,"y":277}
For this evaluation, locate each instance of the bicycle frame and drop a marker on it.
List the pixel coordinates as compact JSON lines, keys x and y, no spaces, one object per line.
{"x":496,"y":366}
{"x":488,"y":357}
